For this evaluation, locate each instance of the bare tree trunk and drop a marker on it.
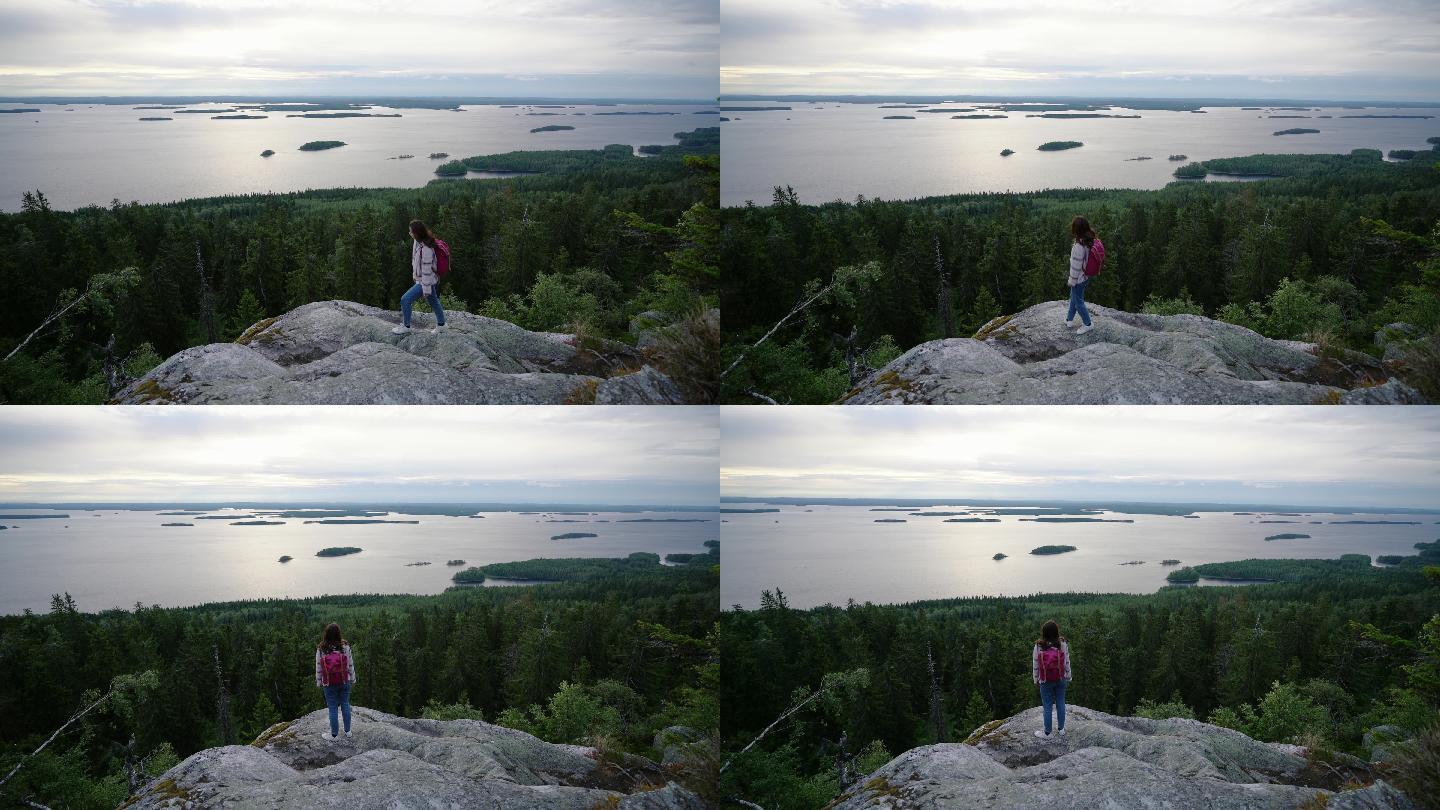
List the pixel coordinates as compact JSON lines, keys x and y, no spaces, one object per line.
{"x":795,"y":310}
{"x":222,"y":701}
{"x":937,"y":714}
{"x":207,"y":299}
{"x":944,"y":315}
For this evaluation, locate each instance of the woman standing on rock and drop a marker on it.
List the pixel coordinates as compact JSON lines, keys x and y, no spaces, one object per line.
{"x":335,"y":674}
{"x":1082,"y":269}
{"x":425,"y":272}
{"x":1050,"y":667}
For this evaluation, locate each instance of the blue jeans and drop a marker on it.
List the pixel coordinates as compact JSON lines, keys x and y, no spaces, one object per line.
{"x":408,"y":300}
{"x":1077,"y":303}
{"x":1051,"y":694}
{"x":338,"y":697}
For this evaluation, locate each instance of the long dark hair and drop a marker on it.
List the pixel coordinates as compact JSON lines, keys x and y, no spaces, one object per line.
{"x":421,"y":233}
{"x":332,"y":639}
{"x":1049,"y":635}
{"x":1081,"y":231}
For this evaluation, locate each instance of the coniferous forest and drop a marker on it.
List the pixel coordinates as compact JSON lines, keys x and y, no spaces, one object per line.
{"x":590,"y":240}
{"x":1319,"y":658}
{"x":1330,"y":249}
{"x":616,"y":655}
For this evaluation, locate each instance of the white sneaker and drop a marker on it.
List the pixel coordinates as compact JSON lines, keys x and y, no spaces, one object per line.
{"x":329,"y":737}
{"x":1062,"y":733}
{"x":1041,"y":733}
{"x":437,"y":330}
{"x":400,"y":330}
{"x":1070,"y":324}
{"x":1082,"y":330}
{"x":349,"y":736}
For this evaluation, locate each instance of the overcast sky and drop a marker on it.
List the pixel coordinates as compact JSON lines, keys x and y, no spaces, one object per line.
{"x":1321,"y":49}
{"x":608,"y":455}
{"x":1305,"y":456}
{"x":572,"y":48}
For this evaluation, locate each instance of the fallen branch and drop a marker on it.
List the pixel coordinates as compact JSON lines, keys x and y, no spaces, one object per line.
{"x":77,"y":716}
{"x":795,"y":310}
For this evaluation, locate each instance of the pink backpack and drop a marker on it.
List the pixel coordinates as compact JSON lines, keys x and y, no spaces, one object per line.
{"x":1052,"y":665}
{"x":442,"y":258}
{"x":335,"y":668}
{"x":1094,"y":258}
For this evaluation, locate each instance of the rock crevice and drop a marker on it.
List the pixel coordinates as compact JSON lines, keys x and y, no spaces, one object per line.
{"x":1127,"y":359}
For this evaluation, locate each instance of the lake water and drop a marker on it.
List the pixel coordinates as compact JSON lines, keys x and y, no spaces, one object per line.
{"x":829,"y":151}
{"x":94,"y":154}
{"x":828,"y":554}
{"x":117,"y":558}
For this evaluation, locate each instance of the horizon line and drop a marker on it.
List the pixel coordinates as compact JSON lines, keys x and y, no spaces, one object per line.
{"x":900,"y":501}
{"x":897,"y":95}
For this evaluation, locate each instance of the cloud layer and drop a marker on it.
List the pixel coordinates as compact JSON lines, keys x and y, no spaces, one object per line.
{"x":1301,"y":455}
{"x":1327,"y":49}
{"x":622,"y":455}
{"x":582,"y":48}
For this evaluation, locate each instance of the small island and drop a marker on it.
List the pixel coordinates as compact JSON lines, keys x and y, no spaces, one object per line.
{"x":682,"y":558}
{"x":889,"y":520}
{"x":400,"y":157}
{"x":552,"y":128}
{"x":258,"y":523}
{"x":177,"y":524}
{"x":1288,"y":537}
{"x":237,"y":117}
{"x":337,"y":551}
{"x":899,"y":118}
{"x":976,"y":117}
{"x":156,"y":118}
{"x":1169,"y":562}
{"x":316,"y":146}
{"x":1183,"y":576}
{"x":747,"y":511}
{"x":971,"y":520}
{"x":1141,"y":157}
{"x":1192,"y":171}
{"x":1389,"y":559}
{"x":1006,"y":152}
{"x":999,"y":556}
{"x":1295,"y":131}
{"x":454,"y":562}
{"x":286,"y":558}
{"x":1178,"y":158}
{"x":267,"y":153}
{"x":470,"y":576}
{"x":1056,"y":146}
{"x":358,"y":521}
{"x":439,"y":155}
{"x":1133,"y":562}
{"x":663,"y":520}
{"x":1079,"y":115}
{"x":1402,"y":154}
{"x":572,"y":536}
{"x":453,"y":168}
{"x":651,"y":149}
{"x":1052,"y":549}
{"x":343,"y":115}
{"x":22,"y":110}
{"x":414,"y":564}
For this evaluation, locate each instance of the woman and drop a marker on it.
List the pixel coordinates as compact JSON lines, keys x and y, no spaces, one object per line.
{"x":335,"y":674}
{"x":427,"y":281}
{"x":1084,"y":237}
{"x":1050,"y":667}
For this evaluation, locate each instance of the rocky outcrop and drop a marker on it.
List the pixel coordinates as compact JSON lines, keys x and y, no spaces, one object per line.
{"x":1113,"y":762}
{"x":342,"y":353}
{"x":1128,"y":358}
{"x":394,"y":762}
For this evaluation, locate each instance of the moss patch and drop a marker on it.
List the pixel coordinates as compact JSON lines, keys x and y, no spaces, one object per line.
{"x":271,"y":733}
{"x":254,"y":331}
{"x":990,"y":329}
{"x":149,"y":391}
{"x":982,"y":733}
{"x":584,"y":394}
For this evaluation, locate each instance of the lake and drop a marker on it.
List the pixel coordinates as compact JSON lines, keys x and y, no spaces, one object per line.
{"x":115,"y":558}
{"x":829,"y":554}
{"x":829,"y":151}
{"x":88,"y":155}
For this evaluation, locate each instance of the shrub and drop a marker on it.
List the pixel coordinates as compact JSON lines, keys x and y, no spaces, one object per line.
{"x":1164,"y":711}
{"x":689,"y":352}
{"x":435,"y":710}
{"x":1416,"y":768}
{"x":1181,"y":305}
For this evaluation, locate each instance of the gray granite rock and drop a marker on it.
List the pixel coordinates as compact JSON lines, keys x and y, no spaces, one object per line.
{"x":1118,"y":763}
{"x":1128,"y":358}
{"x":337,"y":352}
{"x":394,"y":762}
